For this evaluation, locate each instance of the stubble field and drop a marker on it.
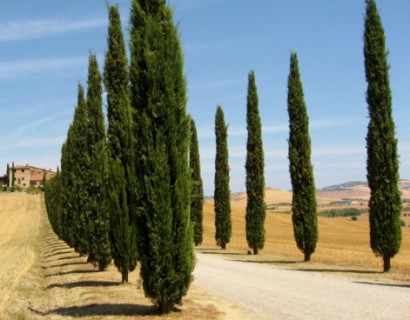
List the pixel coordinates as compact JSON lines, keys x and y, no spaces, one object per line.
{"x":41,"y":278}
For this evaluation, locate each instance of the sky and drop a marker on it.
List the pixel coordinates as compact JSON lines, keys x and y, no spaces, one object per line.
{"x":44,"y":48}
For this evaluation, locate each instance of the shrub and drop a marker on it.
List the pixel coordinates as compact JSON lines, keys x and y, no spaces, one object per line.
{"x":346,"y":212}
{"x":354,"y":218}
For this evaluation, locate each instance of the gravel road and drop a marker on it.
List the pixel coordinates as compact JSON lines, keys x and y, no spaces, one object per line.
{"x":273,"y":293}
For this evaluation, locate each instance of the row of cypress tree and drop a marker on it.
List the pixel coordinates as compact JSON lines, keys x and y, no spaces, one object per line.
{"x":382,"y":159}
{"x":124,"y":193}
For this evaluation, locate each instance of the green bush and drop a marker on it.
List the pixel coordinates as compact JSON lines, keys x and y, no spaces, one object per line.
{"x":346,"y":212}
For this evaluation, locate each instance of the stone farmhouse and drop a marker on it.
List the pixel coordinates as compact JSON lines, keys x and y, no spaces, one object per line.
{"x":27,"y":175}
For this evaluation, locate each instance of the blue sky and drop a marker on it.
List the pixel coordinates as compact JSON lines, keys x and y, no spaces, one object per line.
{"x":44,"y":53}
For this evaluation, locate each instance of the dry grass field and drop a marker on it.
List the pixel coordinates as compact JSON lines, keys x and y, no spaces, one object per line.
{"x":343,"y":243}
{"x":41,"y":278}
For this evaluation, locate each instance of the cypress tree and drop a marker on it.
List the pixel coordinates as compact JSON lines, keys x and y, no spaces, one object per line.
{"x":304,"y":215}
{"x":255,"y":181}
{"x":197,"y":193}
{"x":382,"y":155}
{"x":74,"y":167}
{"x":162,"y":129}
{"x":222,"y":204}
{"x":12,"y":174}
{"x":8,"y":175}
{"x":97,"y":175}
{"x":68,"y":193}
{"x":123,"y":233}
{"x":52,"y":199}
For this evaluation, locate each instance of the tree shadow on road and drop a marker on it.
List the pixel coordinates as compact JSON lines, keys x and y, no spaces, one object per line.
{"x":311,"y":269}
{"x":384,"y":284}
{"x":86,"y":283}
{"x":104,"y":309}
{"x":70,"y":272}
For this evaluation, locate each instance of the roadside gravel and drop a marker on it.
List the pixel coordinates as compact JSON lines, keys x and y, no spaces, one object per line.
{"x":273,"y":293}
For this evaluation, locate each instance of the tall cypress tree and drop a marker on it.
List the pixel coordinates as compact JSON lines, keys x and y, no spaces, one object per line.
{"x":123,"y":230}
{"x":96,"y":153}
{"x":255,"y":181}
{"x":74,"y":165}
{"x":304,"y":215}
{"x":382,"y":156}
{"x":222,"y":194}
{"x":162,"y":129}
{"x":197,"y":193}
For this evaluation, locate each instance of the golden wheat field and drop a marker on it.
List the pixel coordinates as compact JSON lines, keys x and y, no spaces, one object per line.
{"x":343,"y":243}
{"x":42,"y":278}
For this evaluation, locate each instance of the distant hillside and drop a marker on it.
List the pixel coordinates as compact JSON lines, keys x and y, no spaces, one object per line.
{"x":357,"y":190}
{"x":343,"y":186}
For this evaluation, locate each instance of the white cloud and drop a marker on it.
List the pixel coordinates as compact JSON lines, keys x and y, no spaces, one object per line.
{"x":34,"y":29}
{"x":24,"y":68}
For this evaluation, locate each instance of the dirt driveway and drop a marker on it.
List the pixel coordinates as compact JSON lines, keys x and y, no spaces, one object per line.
{"x":275,"y":293}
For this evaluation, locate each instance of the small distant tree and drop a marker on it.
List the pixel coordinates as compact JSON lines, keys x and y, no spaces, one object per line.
{"x":52,"y":197}
{"x":197,"y":193}
{"x":382,"y":156}
{"x":222,"y":194}
{"x":8,"y":175}
{"x":12,"y":174}
{"x":304,"y":215}
{"x":255,"y":180}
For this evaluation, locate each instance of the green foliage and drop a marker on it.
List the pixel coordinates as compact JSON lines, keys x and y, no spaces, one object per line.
{"x":123,"y":231}
{"x":222,"y":204}
{"x":54,"y":205}
{"x":382,"y":156}
{"x":121,"y":192}
{"x":346,"y":212}
{"x":75,"y":166}
{"x":8,"y":175}
{"x":97,"y":217}
{"x":255,"y":181}
{"x":12,"y":175}
{"x":197,"y":193}
{"x":304,"y":216}
{"x":162,"y":130}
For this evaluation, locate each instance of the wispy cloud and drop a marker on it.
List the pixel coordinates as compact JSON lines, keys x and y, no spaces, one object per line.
{"x":34,"y":29}
{"x":24,"y":68}
{"x":183,"y":5}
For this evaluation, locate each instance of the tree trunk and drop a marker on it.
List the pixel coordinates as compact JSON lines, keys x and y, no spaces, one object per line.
{"x":223,"y":246}
{"x":307,"y":256}
{"x":165,"y":307}
{"x":101,"y":267}
{"x":124,"y":276}
{"x":386,"y":263}
{"x":255,"y":250}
